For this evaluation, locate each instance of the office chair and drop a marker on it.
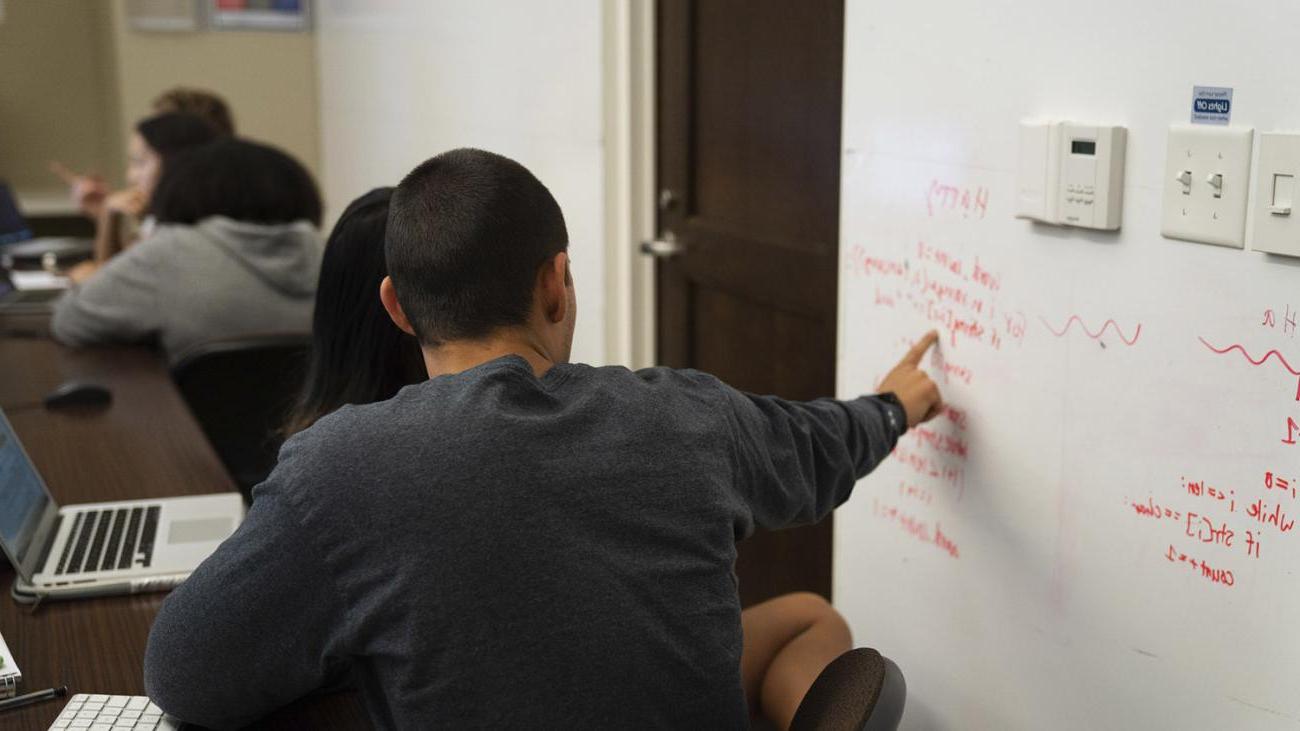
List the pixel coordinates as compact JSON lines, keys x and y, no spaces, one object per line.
{"x":860,"y":690}
{"x":240,"y":390}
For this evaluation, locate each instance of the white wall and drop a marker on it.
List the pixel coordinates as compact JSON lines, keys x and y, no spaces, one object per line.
{"x":404,"y":80}
{"x":1054,"y":598}
{"x":57,"y":95}
{"x":268,"y":78}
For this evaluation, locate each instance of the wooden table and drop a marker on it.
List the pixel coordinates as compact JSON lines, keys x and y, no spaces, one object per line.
{"x":146,"y":444}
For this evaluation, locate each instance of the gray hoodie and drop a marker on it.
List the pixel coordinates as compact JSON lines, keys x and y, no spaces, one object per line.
{"x":185,"y":285}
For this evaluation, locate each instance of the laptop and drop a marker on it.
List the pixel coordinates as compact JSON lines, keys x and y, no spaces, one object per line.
{"x":17,"y":241}
{"x":97,"y":549}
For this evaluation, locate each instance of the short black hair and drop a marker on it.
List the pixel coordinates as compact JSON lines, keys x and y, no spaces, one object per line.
{"x":467,"y":232}
{"x":173,"y":132}
{"x":242,"y":180}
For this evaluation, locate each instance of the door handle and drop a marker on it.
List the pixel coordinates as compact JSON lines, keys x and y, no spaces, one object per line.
{"x":664,"y":247}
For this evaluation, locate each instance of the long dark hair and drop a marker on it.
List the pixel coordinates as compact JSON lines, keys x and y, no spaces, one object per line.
{"x":358,"y":355}
{"x":241,"y":180}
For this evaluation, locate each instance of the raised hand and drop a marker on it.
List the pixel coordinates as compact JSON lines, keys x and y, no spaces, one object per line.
{"x":913,"y":387}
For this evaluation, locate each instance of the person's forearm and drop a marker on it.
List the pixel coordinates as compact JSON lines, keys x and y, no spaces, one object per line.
{"x":83,"y":271}
{"x":110,"y":235}
{"x":800,"y":460}
{"x":104,"y":225}
{"x":877,"y":425}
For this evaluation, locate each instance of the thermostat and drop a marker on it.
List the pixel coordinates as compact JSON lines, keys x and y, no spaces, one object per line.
{"x":1071,"y":174}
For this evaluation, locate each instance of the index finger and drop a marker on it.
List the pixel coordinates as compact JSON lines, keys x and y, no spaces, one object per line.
{"x":63,"y":171}
{"x":914,"y":356}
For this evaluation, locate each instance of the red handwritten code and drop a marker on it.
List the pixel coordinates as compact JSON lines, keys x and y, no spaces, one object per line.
{"x":942,"y":197}
{"x":1199,"y":488}
{"x":927,"y":466}
{"x":1288,"y":320}
{"x":916,"y":527}
{"x":1223,"y":577}
{"x":913,"y":492}
{"x":1274,"y":481}
{"x":945,"y":443}
{"x":1275,"y":516}
{"x":955,"y":294}
{"x":955,"y":416}
{"x":1215,"y":521}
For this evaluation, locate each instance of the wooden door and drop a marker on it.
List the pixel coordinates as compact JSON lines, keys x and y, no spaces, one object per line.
{"x":748,"y":147}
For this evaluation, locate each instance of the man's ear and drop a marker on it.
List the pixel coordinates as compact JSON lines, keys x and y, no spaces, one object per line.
{"x":388,"y":295}
{"x":554,"y":283}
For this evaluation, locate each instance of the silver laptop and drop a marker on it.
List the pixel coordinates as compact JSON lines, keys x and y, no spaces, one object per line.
{"x":95,"y":549}
{"x":39,"y":298}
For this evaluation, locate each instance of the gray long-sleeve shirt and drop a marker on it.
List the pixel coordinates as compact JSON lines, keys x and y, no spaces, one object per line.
{"x":494,"y":550}
{"x":186,"y":285}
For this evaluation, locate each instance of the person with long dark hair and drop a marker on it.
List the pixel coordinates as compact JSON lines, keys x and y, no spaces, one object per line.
{"x":236,"y":253}
{"x":358,"y":355}
{"x":123,"y":218}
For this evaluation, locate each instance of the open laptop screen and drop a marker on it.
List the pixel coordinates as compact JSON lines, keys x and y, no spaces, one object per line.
{"x":12,"y":226}
{"x":22,"y":494}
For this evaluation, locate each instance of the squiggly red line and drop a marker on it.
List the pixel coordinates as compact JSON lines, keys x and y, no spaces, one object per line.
{"x":1094,"y":335}
{"x":1261,"y":361}
{"x":1281,"y":359}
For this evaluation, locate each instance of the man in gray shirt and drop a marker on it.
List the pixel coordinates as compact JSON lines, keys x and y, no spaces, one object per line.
{"x":518,"y":541}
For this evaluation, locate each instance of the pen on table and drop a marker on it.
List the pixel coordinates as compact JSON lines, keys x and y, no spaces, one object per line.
{"x":30,"y":698}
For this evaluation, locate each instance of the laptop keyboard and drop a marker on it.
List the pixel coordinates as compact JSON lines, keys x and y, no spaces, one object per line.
{"x":112,"y":712}
{"x":103,"y":540}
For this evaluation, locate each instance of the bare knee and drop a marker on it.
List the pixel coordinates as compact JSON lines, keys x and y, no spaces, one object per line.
{"x":813,"y":609}
{"x":805,"y":604}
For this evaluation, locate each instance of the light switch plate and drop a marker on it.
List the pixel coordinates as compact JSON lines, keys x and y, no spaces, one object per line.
{"x":1192,"y":211}
{"x":1276,"y":209}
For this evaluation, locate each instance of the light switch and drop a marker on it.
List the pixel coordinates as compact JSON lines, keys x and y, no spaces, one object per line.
{"x":1276,"y":228}
{"x":1208,"y":169}
{"x":1283,"y":188}
{"x":1216,"y":184}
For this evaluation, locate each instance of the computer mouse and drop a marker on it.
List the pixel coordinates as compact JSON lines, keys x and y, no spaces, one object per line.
{"x":78,"y":393}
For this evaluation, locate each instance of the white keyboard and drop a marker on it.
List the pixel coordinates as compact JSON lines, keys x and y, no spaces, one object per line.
{"x":105,"y":712}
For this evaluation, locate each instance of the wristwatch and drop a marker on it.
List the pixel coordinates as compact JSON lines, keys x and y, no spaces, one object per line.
{"x":897,"y":416}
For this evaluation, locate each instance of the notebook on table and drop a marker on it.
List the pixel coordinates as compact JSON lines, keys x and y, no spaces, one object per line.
{"x":10,"y":675}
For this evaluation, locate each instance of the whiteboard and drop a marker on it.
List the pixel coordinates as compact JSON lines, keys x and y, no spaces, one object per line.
{"x":1099,"y":533}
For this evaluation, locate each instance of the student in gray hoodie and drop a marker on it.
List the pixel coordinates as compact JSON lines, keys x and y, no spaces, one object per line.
{"x":236,"y":252}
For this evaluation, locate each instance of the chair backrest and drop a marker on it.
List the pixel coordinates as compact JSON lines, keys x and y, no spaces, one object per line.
{"x":240,"y":390}
{"x":860,"y":690}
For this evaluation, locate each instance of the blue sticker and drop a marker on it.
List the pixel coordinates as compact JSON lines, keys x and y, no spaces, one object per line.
{"x":1211,"y":104}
